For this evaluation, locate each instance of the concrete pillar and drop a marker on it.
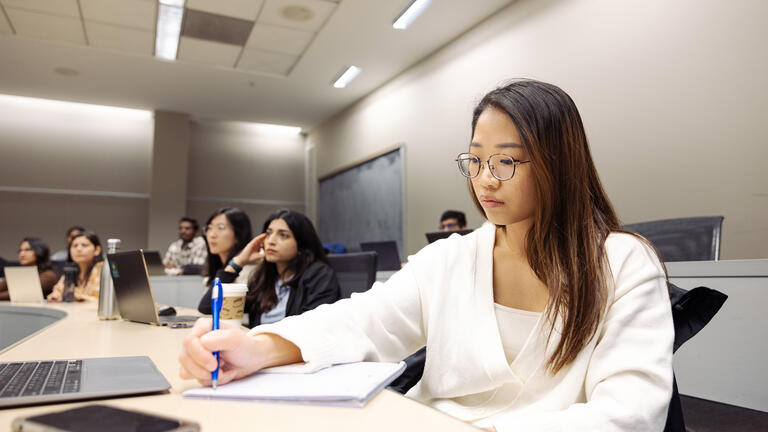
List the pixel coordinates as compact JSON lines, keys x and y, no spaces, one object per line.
{"x":168,"y":190}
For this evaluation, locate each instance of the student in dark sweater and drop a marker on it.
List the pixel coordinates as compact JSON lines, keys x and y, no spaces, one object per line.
{"x":293,"y":274}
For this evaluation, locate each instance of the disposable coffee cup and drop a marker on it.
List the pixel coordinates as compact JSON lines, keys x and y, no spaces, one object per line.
{"x":234,"y":303}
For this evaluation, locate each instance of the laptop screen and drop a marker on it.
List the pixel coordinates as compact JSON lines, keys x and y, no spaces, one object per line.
{"x":132,"y":290}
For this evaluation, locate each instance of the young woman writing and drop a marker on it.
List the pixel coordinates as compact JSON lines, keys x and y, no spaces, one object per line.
{"x":545,"y":318}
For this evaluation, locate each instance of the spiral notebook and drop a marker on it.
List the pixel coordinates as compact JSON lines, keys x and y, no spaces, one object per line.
{"x":350,"y":384}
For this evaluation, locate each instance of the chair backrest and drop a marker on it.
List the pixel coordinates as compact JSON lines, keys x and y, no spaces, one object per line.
{"x":683,"y":239}
{"x":356,"y":272}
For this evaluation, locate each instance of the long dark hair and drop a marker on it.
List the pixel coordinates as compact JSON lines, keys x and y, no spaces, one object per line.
{"x":241,"y":224}
{"x":93,"y":238}
{"x":261,"y":288}
{"x":565,"y":245}
{"x":41,"y":250}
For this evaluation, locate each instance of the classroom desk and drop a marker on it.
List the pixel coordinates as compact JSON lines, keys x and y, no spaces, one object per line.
{"x":726,"y":361}
{"x":81,"y":335}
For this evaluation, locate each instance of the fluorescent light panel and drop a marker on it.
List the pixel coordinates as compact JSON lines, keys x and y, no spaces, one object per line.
{"x":349,"y":74}
{"x":273,"y":129}
{"x":410,"y":14}
{"x":169,"y":15}
{"x":76,"y":108}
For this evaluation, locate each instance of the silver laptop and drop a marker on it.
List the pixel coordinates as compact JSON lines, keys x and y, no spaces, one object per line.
{"x":155,"y":265}
{"x":51,"y":381}
{"x":134,"y":293}
{"x":24,"y":284}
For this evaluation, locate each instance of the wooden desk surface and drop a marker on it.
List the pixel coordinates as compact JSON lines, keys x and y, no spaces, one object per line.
{"x":82,"y":335}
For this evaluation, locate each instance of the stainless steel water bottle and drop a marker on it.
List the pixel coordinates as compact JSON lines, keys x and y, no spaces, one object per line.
{"x":107,"y":301}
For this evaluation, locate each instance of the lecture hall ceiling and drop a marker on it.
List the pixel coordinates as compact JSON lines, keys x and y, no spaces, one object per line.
{"x":256,"y":60}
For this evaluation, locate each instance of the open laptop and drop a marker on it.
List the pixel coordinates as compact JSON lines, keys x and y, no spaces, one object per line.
{"x":24,"y":284}
{"x":133,"y":291}
{"x":388,"y":257}
{"x":437,"y":235}
{"x":155,"y":265}
{"x":51,"y":381}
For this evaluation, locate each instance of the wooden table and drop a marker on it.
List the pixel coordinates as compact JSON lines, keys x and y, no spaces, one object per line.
{"x":82,"y":335}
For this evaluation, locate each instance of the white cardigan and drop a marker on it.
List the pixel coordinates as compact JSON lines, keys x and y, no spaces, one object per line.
{"x":443,"y":297}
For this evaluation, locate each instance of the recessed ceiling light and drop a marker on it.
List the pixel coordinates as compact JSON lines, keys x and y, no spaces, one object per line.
{"x":169,"y":16}
{"x":297,"y":13}
{"x":65,"y":71}
{"x":348,"y":75}
{"x":409,"y":14}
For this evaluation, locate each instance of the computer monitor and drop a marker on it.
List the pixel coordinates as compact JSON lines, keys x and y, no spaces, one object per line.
{"x":387,"y":256}
{"x":437,"y":235}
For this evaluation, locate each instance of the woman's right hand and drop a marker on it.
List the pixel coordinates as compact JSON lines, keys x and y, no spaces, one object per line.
{"x":55,"y":295}
{"x":240,"y":354}
{"x":253,"y":252}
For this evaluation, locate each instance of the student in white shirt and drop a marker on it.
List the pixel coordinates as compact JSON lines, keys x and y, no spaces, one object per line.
{"x":546,"y":318}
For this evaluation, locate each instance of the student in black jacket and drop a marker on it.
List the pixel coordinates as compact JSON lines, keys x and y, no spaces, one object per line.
{"x":293,"y":276}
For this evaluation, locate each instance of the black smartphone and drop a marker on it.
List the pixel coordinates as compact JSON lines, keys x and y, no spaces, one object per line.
{"x":94,"y":418}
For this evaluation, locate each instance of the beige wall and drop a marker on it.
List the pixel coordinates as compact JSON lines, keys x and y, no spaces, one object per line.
{"x":55,"y":156}
{"x":674,"y":96}
{"x":236,"y":164}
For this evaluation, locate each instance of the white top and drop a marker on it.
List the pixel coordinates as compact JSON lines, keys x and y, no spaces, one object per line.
{"x":515,"y":325}
{"x":443,"y":297}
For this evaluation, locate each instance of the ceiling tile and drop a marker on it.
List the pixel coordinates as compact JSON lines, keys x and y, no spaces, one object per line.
{"x":120,"y":38}
{"x":245,"y":9}
{"x":278,"y":39}
{"x":259,"y":61}
{"x":309,"y":15}
{"x":140,"y":14}
{"x":208,"y":52}
{"x":56,"y":7}
{"x":42,"y":26}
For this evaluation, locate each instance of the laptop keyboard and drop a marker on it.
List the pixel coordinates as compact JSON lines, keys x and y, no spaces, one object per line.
{"x":40,"y":378}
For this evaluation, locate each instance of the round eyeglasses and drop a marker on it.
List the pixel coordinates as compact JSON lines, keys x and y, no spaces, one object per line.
{"x":502,"y":166}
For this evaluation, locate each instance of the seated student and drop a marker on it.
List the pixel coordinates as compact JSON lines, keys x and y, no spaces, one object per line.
{"x":85,"y":251}
{"x":547,"y":317}
{"x":293,"y":276}
{"x":453,"y":220}
{"x":187,"y":254}
{"x":34,"y":252}
{"x":62,"y":255}
{"x":227,"y":232}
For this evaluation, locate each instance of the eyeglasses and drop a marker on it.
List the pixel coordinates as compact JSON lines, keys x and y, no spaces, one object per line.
{"x":502,"y":166}
{"x":449,"y":226}
{"x":220,"y":228}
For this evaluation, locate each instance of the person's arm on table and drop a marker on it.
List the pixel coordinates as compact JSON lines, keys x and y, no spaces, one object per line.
{"x":240,"y":354}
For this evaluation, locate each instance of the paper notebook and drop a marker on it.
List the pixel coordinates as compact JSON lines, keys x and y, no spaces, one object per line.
{"x":351,"y":384}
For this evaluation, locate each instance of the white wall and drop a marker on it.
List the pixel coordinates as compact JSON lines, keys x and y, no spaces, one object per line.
{"x":674,"y":96}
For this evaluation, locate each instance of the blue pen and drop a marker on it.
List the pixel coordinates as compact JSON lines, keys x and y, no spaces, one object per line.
{"x":217,"y":297}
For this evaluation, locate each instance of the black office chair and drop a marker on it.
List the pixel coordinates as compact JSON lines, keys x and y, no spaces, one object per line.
{"x":356,"y":272}
{"x":691,"y":311}
{"x":683,"y":239}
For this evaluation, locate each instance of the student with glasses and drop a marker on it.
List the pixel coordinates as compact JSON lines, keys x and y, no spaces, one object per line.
{"x":547,"y":317}
{"x":453,"y":220}
{"x":226,"y":233}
